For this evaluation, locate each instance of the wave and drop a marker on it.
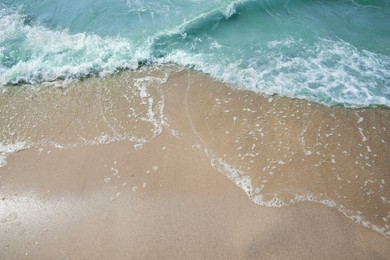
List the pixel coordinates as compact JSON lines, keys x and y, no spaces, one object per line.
{"x":332,"y":73}
{"x":265,"y":46}
{"x":31,"y":53}
{"x":35,"y":54}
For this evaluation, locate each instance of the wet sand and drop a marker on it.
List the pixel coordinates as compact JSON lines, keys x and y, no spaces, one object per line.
{"x":171,"y":164}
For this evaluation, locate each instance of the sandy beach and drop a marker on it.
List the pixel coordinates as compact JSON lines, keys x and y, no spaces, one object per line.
{"x":168,"y":163}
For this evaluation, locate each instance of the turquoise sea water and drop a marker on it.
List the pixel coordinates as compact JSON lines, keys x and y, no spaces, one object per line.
{"x":331,"y":52}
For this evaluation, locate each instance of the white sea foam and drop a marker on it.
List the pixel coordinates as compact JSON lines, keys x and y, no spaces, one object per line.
{"x":254,"y":193}
{"x":3,"y":160}
{"x":331,"y":72}
{"x":7,"y":148}
{"x":155,"y":109}
{"x":48,"y":55}
{"x":12,"y":147}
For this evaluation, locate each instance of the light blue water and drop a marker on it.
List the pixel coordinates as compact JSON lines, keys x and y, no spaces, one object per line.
{"x":331,"y":52}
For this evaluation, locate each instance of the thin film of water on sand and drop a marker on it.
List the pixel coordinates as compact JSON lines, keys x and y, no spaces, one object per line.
{"x":279,"y":151}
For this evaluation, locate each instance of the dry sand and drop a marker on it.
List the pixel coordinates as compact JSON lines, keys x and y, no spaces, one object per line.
{"x":128,"y":167}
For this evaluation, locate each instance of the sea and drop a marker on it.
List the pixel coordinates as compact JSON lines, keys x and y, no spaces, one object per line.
{"x":329,"y":52}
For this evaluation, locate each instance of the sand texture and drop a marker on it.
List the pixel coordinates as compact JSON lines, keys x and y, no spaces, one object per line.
{"x":169,"y":164}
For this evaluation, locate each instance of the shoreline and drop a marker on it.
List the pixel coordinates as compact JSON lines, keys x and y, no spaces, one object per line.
{"x":144,"y":144}
{"x":147,"y":67}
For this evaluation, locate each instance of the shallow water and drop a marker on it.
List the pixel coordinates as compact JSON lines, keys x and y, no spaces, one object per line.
{"x":279,"y":151}
{"x":331,"y":52}
{"x":282,"y":151}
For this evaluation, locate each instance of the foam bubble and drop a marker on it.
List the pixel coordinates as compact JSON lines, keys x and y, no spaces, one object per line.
{"x":3,"y":161}
{"x":138,"y":147}
{"x":329,"y":203}
{"x":155,"y":109}
{"x":7,"y":148}
{"x":196,"y":147}
{"x":13,"y":147}
{"x":308,"y":152}
{"x":273,"y":203}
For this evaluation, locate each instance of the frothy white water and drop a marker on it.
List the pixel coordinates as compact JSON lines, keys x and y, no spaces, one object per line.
{"x":42,"y":54}
{"x":331,"y":72}
{"x":101,"y":112}
{"x":8,"y":148}
{"x":328,"y":71}
{"x":244,"y":182}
